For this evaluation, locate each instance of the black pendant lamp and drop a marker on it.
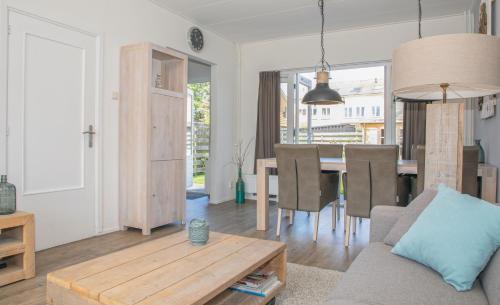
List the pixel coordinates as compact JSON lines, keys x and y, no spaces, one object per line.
{"x":322,"y":94}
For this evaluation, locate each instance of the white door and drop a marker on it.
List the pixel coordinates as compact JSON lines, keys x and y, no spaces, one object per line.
{"x":52,"y":94}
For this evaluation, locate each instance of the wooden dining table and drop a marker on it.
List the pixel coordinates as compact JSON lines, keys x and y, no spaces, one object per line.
{"x":487,"y":172}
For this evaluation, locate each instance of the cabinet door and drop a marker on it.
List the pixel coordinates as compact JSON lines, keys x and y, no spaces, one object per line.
{"x":168,"y":118}
{"x":168,"y":185}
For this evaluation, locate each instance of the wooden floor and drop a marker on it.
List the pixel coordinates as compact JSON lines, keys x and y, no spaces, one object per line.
{"x":228,"y":217}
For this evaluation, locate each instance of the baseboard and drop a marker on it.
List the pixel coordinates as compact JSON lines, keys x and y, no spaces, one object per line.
{"x":229,"y":198}
{"x":108,"y":230}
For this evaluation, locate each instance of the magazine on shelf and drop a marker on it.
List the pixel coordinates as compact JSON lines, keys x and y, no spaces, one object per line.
{"x":257,"y":283}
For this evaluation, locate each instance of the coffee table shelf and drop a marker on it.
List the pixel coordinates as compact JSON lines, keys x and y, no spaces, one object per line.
{"x":240,"y":298}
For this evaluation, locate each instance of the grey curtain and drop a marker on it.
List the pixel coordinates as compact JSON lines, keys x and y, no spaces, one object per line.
{"x":413,"y":127}
{"x":268,"y":116}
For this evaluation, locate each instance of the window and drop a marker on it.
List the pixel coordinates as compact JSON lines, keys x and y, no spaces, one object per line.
{"x":359,"y":120}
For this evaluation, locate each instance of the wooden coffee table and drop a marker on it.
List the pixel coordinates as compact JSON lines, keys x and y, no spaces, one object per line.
{"x":169,"y":270}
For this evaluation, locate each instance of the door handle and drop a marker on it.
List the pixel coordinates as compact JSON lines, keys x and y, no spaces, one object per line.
{"x":91,"y":133}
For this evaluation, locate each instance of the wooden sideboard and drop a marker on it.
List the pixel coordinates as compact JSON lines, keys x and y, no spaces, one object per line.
{"x":17,"y":247}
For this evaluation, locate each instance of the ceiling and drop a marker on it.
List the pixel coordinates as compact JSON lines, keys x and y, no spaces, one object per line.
{"x":252,"y":20}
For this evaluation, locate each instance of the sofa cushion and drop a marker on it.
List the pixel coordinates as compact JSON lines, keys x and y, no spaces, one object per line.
{"x":490,"y":279}
{"x":378,"y":277}
{"x":409,"y":217}
{"x":455,"y":235}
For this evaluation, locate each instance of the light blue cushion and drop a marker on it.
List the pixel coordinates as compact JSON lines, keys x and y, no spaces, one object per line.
{"x":456,"y":235}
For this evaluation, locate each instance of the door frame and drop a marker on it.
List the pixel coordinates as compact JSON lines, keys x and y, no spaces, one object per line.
{"x":5,"y":11}
{"x":208,"y":176}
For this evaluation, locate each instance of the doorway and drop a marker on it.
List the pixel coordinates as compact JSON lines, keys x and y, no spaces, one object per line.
{"x":198,"y":129}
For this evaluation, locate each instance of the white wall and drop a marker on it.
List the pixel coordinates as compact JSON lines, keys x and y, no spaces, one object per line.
{"x":487,"y":130}
{"x":343,"y":47}
{"x":122,"y":22}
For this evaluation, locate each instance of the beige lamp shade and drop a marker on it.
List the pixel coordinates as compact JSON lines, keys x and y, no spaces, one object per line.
{"x":468,"y":63}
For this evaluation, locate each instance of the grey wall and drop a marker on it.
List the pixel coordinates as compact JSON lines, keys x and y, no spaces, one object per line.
{"x":489,"y":130}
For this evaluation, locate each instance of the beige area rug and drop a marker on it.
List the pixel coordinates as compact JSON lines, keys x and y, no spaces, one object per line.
{"x":308,"y":285}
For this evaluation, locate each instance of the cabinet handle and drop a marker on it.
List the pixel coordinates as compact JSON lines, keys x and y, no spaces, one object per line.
{"x":154,"y":195}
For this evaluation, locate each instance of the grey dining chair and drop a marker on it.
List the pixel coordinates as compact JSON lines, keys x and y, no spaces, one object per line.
{"x":332,"y":151}
{"x":469,"y":170}
{"x":302,"y":186}
{"x":371,"y":180}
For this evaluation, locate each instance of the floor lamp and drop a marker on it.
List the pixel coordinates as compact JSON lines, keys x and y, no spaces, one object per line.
{"x":446,"y":68}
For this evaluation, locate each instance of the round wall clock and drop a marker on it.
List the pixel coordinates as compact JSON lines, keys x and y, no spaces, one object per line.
{"x":195,"y":39}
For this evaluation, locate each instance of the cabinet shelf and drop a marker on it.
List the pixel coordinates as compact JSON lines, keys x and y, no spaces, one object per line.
{"x":17,"y":247}
{"x":166,"y":92}
{"x":10,"y":246}
{"x":11,"y":274}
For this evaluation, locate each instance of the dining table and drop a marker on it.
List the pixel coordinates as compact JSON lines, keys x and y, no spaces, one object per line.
{"x":487,"y":172}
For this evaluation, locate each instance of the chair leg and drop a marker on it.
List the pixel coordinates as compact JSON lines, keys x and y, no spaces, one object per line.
{"x":354,"y":225}
{"x":334,"y":215}
{"x":347,"y":232}
{"x":345,"y":216}
{"x":292,"y":216}
{"x":278,"y":225}
{"x":316,"y":224}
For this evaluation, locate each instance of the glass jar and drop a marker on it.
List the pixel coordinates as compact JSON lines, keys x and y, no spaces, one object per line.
{"x":7,"y":197}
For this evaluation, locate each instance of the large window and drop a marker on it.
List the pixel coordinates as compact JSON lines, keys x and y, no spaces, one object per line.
{"x":359,"y":120}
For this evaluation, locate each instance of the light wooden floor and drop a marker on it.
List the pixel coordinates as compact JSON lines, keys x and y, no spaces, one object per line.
{"x":228,"y":217}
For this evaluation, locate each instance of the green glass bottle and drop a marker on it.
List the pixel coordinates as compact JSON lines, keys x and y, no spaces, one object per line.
{"x":240,"y":188}
{"x":7,"y":197}
{"x":482,"y":158}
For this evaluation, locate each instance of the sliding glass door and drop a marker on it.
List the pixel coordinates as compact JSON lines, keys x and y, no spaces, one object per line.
{"x":362,"y":119}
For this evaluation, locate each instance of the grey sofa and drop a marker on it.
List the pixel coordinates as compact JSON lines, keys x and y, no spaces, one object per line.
{"x":378,"y":277}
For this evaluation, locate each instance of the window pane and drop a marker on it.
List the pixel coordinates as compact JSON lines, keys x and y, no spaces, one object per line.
{"x":283,"y":112}
{"x":399,"y":126}
{"x":305,"y":84}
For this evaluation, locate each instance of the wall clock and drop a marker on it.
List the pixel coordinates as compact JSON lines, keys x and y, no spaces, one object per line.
{"x":195,"y":39}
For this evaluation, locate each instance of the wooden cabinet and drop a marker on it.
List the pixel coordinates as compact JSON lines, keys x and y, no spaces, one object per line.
{"x":17,"y":247}
{"x":153,"y":94}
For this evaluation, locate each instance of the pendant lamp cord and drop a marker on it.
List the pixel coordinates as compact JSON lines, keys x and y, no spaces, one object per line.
{"x":321,"y":5}
{"x":420,"y":19}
